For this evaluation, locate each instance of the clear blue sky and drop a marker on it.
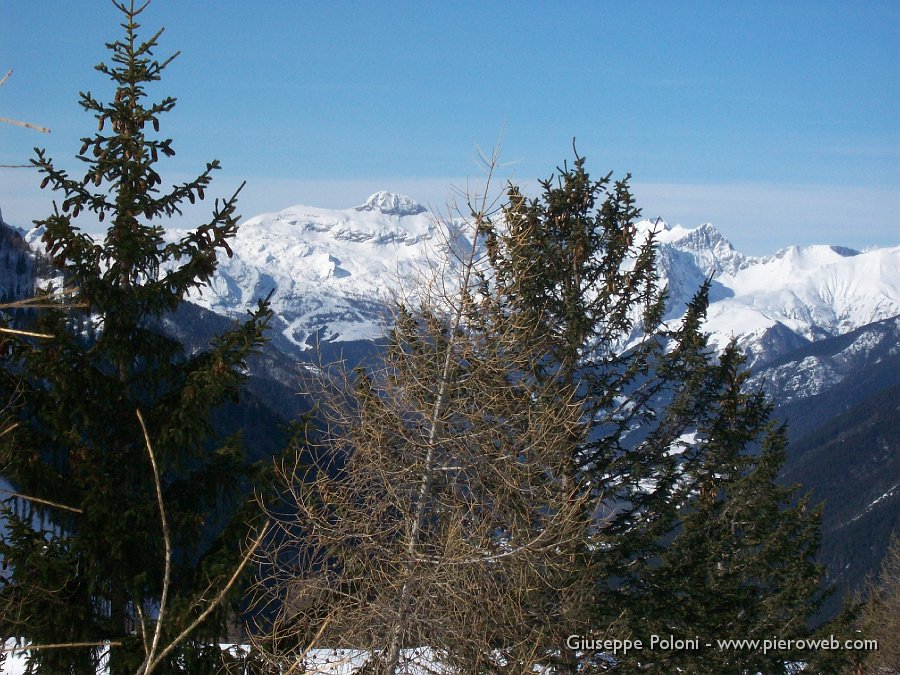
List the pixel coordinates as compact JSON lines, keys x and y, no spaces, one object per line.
{"x":776,"y":121}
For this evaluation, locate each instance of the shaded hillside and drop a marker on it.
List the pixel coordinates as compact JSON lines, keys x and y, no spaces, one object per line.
{"x":852,"y":464}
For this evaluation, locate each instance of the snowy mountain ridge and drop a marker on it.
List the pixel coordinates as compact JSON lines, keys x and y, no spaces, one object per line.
{"x":775,"y":303}
{"x":332,"y":272}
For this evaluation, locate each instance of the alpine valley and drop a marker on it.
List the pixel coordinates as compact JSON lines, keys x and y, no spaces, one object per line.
{"x":820,"y":326}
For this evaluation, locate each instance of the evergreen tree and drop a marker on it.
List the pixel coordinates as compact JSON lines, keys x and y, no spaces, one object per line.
{"x":740,"y":565}
{"x":574,"y":260}
{"x":89,"y":556}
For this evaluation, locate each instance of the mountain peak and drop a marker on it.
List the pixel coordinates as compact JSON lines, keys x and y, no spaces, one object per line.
{"x":392,"y":204}
{"x":711,"y":251}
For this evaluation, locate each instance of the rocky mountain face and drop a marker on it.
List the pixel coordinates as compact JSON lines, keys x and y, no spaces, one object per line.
{"x":820,"y":326}
{"x":840,"y":399}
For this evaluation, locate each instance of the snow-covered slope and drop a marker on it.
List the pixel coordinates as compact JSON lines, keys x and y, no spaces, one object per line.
{"x":332,"y":270}
{"x":777,"y":303}
{"x":819,"y":367}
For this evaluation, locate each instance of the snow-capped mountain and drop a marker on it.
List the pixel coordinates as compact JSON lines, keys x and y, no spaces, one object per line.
{"x":778,"y":303}
{"x":820,"y":325}
{"x":332,"y":271}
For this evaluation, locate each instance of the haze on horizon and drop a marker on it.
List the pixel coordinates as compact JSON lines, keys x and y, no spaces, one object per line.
{"x":777,"y":122}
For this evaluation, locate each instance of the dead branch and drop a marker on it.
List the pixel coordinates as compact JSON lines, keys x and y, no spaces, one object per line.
{"x":160,"y":619}
{"x":41,"y":302}
{"x":37,"y":500}
{"x":48,"y":301}
{"x":62,"y":645}
{"x":27,"y":125}
{"x":26,"y":333}
{"x":151,"y":665}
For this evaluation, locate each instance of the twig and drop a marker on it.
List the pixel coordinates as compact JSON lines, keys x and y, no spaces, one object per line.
{"x":38,"y":500}
{"x":213,"y":604}
{"x":27,"y":125}
{"x":168,"y":545}
{"x":143,"y":625}
{"x":300,"y":659}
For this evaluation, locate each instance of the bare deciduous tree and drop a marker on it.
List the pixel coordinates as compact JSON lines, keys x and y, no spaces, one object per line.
{"x":433,"y":521}
{"x":880,"y":616}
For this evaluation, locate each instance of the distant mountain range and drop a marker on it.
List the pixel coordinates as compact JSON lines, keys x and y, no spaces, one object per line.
{"x":333,"y":270}
{"x":819,"y":324}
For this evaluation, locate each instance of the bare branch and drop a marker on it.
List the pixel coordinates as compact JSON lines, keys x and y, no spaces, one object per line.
{"x":40,"y":302}
{"x":27,"y":333}
{"x":27,"y":125}
{"x":50,"y":301}
{"x":37,"y":500}
{"x":168,"y":549}
{"x":302,"y":657}
{"x":215,"y":602}
{"x":61,"y":645}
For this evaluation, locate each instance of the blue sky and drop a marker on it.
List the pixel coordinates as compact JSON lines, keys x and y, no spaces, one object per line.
{"x":775,"y":121}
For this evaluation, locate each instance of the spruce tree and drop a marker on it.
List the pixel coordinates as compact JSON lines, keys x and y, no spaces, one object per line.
{"x":740,"y":562}
{"x":83,"y":550}
{"x":575,"y":261}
